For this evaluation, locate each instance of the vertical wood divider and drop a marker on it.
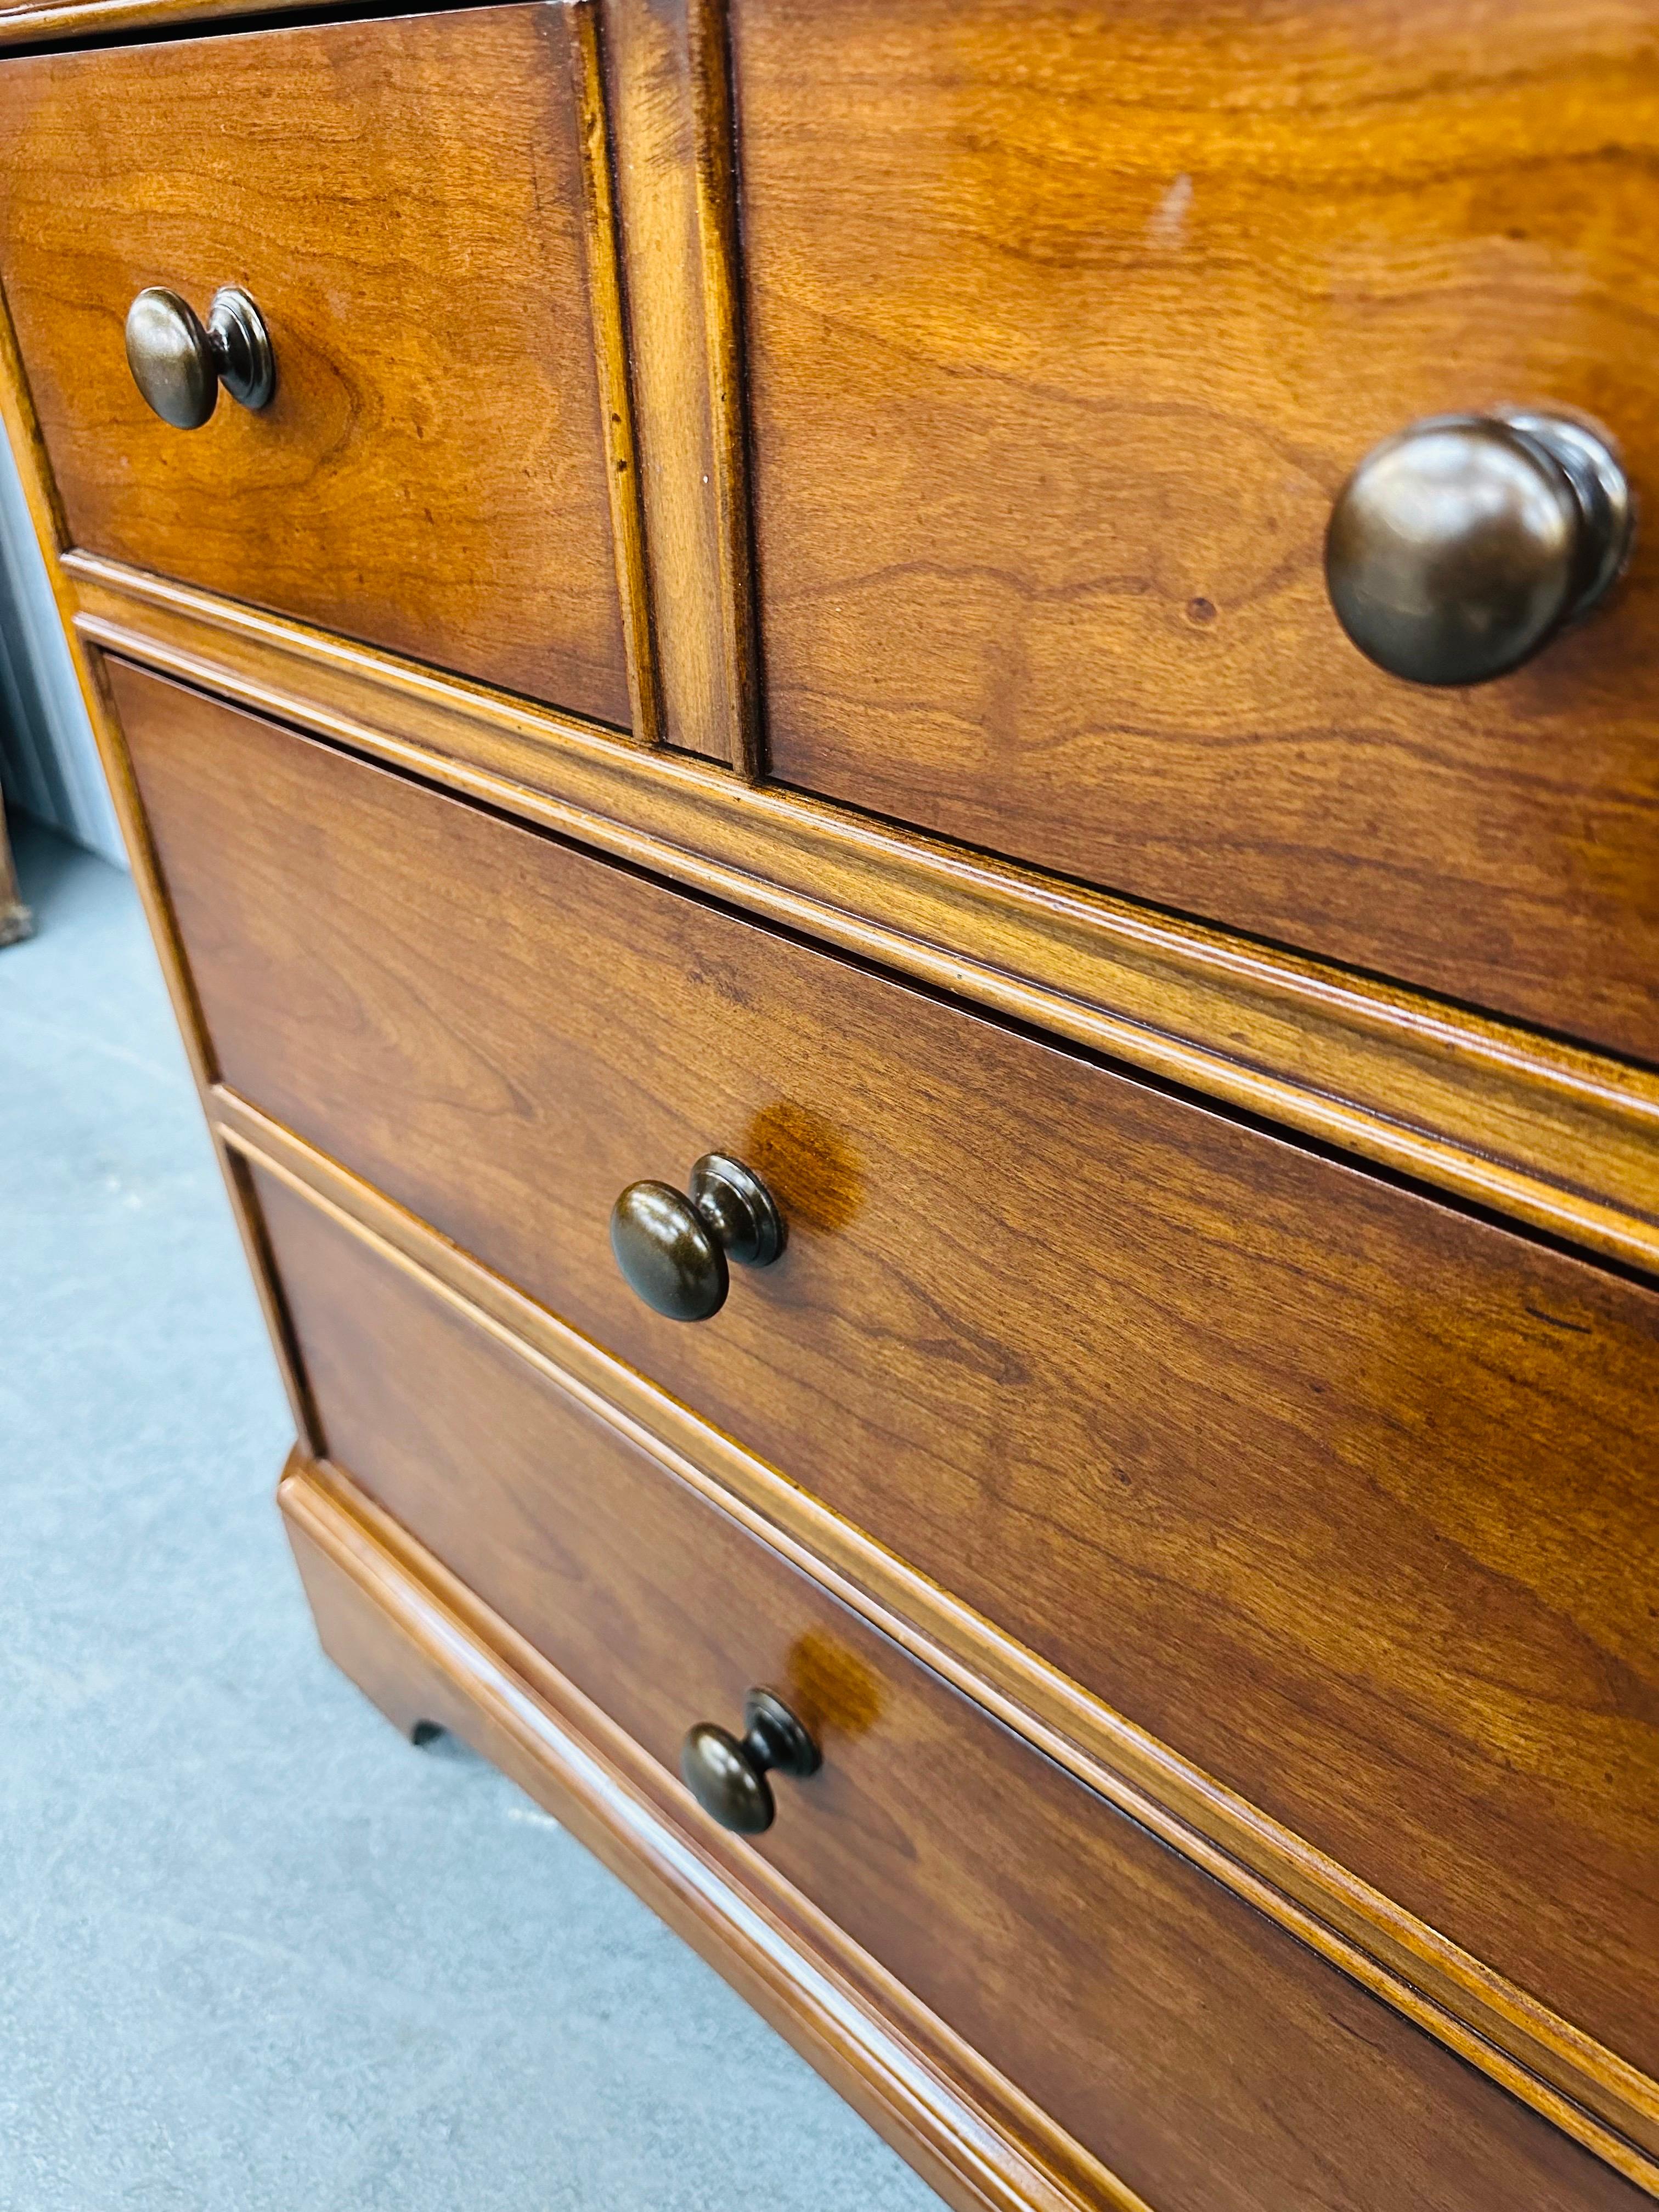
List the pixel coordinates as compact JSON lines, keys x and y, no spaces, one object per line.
{"x":669,"y":98}
{"x":604,"y":287}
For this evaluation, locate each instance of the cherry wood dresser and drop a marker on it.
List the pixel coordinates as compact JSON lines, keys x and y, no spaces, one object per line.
{"x":898,"y":762}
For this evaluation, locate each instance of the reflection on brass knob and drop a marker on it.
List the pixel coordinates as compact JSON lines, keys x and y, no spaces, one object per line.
{"x":674,"y":1251}
{"x":1460,"y":547}
{"x":728,"y":1775}
{"x":179,"y":365}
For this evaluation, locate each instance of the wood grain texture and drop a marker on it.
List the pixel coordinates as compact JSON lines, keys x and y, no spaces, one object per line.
{"x":672,"y":140}
{"x":1531,"y":2051}
{"x":423,"y":1649}
{"x":1346,"y":1497}
{"x":969,"y":2130}
{"x":1066,"y":323}
{"x":32,"y":21}
{"x":610,"y":364}
{"x":1565,"y":1139}
{"x":405,"y":200}
{"x":1209,"y":2061}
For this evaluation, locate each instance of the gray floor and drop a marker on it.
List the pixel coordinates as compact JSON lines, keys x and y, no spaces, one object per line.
{"x":254,"y":1950}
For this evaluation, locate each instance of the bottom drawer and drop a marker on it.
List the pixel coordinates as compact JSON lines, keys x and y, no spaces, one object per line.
{"x":1197,"y":2049}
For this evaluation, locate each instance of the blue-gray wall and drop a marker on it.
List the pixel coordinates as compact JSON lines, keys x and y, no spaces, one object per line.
{"x":49,"y":764}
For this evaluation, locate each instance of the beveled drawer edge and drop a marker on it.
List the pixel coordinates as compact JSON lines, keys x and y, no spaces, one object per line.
{"x":972,"y":2134}
{"x":1557,"y":1136}
{"x":40,"y":20}
{"x":601,"y":246}
{"x":1605,"y":2103}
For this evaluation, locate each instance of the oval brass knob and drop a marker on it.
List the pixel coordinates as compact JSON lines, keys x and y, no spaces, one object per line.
{"x":1461,"y":546}
{"x":726,"y":1774}
{"x":179,"y":365}
{"x":672,"y":1250}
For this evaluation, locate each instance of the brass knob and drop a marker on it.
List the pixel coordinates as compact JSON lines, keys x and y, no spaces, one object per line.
{"x":726,"y":1774}
{"x":674,"y":1251}
{"x":1461,"y":546}
{"x":178,"y":365}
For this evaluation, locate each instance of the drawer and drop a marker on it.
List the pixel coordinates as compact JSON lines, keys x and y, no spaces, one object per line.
{"x":1208,"y":2057}
{"x":403,"y":199}
{"x":1347,"y":1496}
{"x":1068,"y":321}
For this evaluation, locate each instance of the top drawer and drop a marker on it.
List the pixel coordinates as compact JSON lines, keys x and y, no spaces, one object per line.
{"x":403,"y":201}
{"x":1068,"y":320}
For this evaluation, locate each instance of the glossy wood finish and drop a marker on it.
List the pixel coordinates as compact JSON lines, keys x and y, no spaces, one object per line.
{"x":1365,"y":1570}
{"x":405,"y":199}
{"x":1532,"y":2052}
{"x":1348,"y":1497}
{"x":610,"y":360}
{"x":984,"y":2150}
{"x":421,"y":1647}
{"x":1067,"y":324}
{"x":1210,"y":2062}
{"x":31,"y":21}
{"x":671,"y":133}
{"x":1562,"y":1138}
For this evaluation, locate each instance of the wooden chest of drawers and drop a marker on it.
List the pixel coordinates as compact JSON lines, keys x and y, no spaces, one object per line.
{"x":962,"y":1218}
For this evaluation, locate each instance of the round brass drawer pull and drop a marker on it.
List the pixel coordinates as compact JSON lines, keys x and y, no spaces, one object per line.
{"x":674,"y":1251}
{"x":727,"y":1775}
{"x":1461,"y":546}
{"x":178,"y":365}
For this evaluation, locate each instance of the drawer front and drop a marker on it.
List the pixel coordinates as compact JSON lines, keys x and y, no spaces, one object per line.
{"x":403,"y":201}
{"x":1208,"y":2057}
{"x":1349,"y":1498}
{"x":1067,"y":321}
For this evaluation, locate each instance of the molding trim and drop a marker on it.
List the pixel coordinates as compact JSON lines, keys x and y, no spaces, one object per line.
{"x":1557,"y":1136}
{"x":1606,"y":2105}
{"x":424,"y":1649}
{"x":668,"y":84}
{"x":611,"y":369}
{"x":27,"y":21}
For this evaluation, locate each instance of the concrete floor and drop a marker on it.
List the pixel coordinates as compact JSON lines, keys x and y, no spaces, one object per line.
{"x":254,"y":1950}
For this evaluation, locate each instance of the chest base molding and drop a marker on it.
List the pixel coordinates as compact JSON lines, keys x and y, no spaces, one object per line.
{"x":428,"y":1655}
